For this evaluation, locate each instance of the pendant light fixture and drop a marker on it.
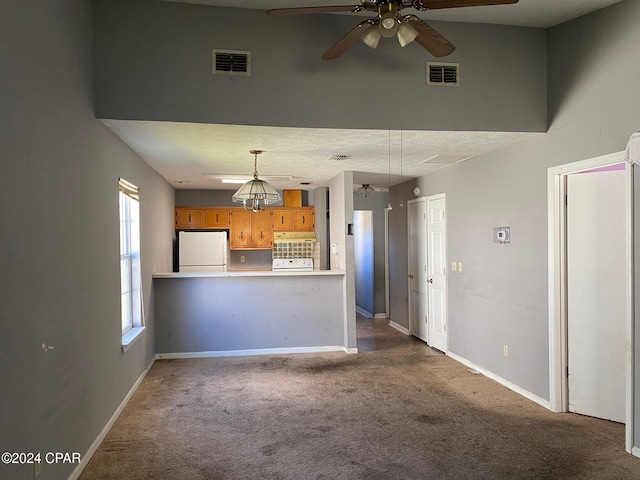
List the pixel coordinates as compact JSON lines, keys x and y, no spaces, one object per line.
{"x":256,"y":194}
{"x":366,"y":190}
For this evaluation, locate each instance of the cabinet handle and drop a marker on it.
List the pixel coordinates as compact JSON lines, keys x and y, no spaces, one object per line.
{"x":261,"y":236}
{"x":217,"y":218}
{"x":241,"y":235}
{"x":304,"y":219}
{"x":282,"y":219}
{"x":189,"y":218}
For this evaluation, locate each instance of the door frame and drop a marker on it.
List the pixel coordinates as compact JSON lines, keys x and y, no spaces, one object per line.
{"x":424,"y":246}
{"x":558,"y":350}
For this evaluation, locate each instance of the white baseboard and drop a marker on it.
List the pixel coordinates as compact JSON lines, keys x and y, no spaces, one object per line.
{"x":400,"y":328}
{"x":351,"y":351}
{"x":635,"y":451}
{"x":257,"y":351}
{"x":364,"y":312}
{"x":380,"y":315}
{"x":511,"y":386}
{"x":103,"y":433}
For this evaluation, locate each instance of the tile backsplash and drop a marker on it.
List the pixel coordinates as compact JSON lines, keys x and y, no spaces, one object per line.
{"x":294,"y":249}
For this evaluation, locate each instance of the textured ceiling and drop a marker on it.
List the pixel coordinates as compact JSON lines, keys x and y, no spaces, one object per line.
{"x":185,"y":153}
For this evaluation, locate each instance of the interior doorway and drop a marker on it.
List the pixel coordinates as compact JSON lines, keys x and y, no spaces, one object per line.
{"x":364,"y":262}
{"x":417,"y":268}
{"x":590,"y":333}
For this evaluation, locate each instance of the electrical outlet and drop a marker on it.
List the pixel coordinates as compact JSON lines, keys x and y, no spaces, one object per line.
{"x":242,"y":258}
{"x":506,"y":350}
{"x":459,"y":266}
{"x":453,"y":266}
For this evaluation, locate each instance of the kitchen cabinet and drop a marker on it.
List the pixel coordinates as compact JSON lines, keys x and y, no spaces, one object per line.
{"x":294,"y":219}
{"x":250,"y":230}
{"x":188,"y":217}
{"x":216,"y":217}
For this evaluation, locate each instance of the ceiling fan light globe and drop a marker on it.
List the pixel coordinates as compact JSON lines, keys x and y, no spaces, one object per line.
{"x":371,"y":36}
{"x":406,"y":34}
{"x":388,"y":25}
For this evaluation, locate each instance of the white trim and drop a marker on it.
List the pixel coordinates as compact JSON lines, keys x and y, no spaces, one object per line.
{"x":130,"y":338}
{"x":387,"y":300}
{"x":630,"y":329}
{"x":256,"y":351}
{"x":381,"y":315}
{"x":363,"y":312}
{"x":350,"y":351}
{"x":556,"y":181}
{"x":400,"y":328}
{"x":511,"y":386}
{"x":636,"y":451}
{"x":103,"y":433}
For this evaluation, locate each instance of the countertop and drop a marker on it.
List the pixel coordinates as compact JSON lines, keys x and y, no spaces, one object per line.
{"x":249,"y":273}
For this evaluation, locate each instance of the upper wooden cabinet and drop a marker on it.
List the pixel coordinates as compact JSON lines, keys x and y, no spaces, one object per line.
{"x":282,"y":219}
{"x":250,"y":230}
{"x":216,"y":217}
{"x":189,"y":217}
{"x":294,"y":219}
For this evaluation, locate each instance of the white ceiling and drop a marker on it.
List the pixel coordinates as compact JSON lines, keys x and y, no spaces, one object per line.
{"x":184,"y":153}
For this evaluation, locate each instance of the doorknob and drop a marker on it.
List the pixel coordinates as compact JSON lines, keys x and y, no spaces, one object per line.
{"x":430,"y":280}
{"x":411,"y":275}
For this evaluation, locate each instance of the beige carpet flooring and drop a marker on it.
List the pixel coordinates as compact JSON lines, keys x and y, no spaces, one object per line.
{"x":397,"y":410}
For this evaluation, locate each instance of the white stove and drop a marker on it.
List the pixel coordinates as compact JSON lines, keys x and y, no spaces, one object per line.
{"x":292,"y":265}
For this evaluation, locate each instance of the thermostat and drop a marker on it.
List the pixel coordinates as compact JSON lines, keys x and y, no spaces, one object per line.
{"x":501,"y":235}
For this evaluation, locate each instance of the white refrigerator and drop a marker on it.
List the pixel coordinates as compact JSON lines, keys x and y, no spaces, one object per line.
{"x":200,"y":252}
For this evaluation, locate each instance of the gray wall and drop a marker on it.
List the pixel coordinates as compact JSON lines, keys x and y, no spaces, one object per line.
{"x":153,"y":62}
{"x":501,"y":295}
{"x":60,"y":281}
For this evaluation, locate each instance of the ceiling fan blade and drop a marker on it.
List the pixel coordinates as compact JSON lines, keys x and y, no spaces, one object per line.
{"x":438,"y":4}
{"x":429,"y":39}
{"x":347,"y":41}
{"x":307,"y":10}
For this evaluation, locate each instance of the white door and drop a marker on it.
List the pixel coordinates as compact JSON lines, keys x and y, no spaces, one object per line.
{"x":596,"y":294}
{"x":437,"y":272}
{"x":417,"y":225}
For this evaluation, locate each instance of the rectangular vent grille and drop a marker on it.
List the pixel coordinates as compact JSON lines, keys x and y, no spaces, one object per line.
{"x":443,"y":74}
{"x":231,"y":62}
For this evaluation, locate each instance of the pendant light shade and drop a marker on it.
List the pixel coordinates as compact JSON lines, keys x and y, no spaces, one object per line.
{"x":256,"y":194}
{"x":366,"y":190}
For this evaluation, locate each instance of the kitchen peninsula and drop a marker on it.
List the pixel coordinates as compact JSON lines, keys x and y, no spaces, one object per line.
{"x":248,"y":313}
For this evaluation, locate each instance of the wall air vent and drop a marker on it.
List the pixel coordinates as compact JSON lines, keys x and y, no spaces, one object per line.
{"x":446,"y":74}
{"x":231,"y":62}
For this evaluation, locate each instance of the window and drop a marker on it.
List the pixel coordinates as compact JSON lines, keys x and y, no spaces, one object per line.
{"x":130,"y":273}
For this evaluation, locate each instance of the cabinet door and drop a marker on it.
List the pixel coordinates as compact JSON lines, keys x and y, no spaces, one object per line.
{"x":216,"y":218}
{"x":304,"y":219}
{"x":188,"y":217}
{"x":240,"y":231}
{"x":261,"y":230}
{"x":282,"y":221}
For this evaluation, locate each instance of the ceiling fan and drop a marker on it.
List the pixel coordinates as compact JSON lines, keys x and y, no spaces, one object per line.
{"x":389,"y":22}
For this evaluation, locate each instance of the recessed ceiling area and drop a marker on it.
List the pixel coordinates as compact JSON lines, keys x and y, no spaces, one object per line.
{"x":197,"y":156}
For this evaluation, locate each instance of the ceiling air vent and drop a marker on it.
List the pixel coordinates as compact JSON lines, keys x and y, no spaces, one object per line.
{"x":338,"y":157}
{"x":443,"y":74}
{"x":231,"y":62}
